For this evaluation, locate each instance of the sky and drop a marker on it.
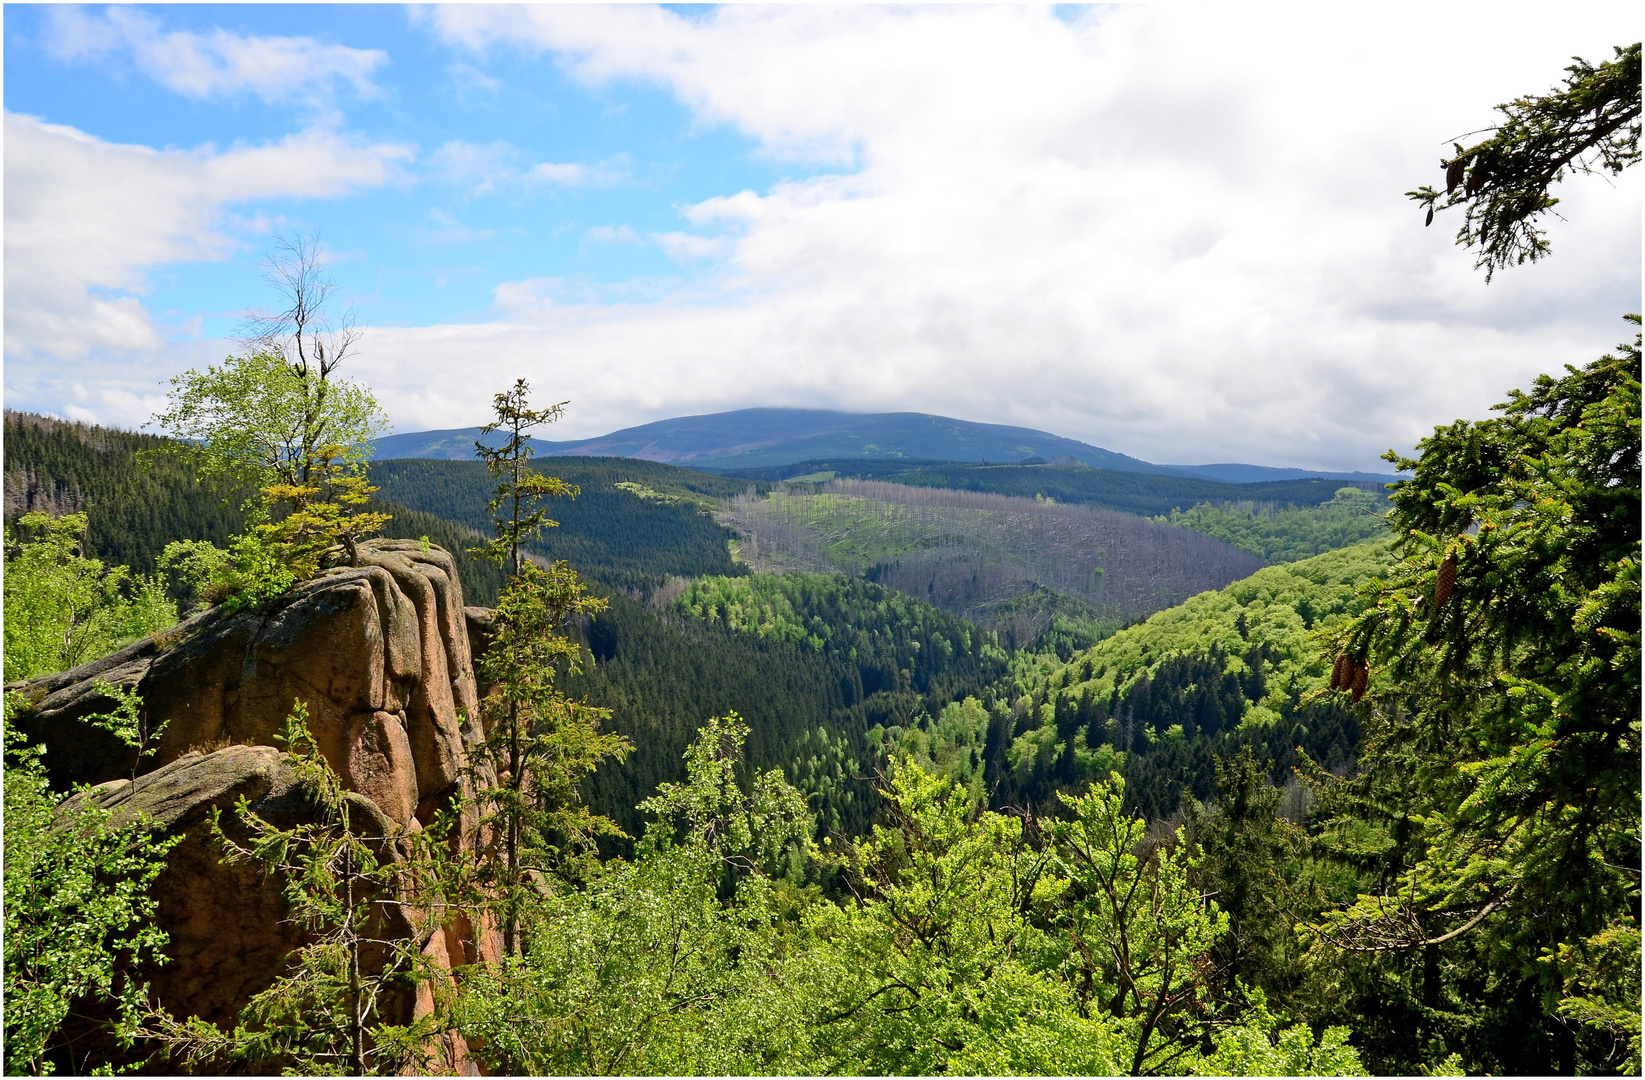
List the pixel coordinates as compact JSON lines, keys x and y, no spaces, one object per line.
{"x":1173,"y":231}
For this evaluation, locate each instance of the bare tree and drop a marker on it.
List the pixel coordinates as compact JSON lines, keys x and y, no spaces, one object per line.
{"x":312,"y":341}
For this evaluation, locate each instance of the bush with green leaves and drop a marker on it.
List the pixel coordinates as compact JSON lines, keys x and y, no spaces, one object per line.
{"x":62,"y":608}
{"x":245,"y":576}
{"x":78,"y":911}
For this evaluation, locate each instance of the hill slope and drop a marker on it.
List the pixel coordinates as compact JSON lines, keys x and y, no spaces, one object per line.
{"x":1112,"y":489}
{"x":761,"y":438}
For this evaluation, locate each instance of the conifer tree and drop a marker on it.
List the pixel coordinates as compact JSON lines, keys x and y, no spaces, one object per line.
{"x":540,"y":744}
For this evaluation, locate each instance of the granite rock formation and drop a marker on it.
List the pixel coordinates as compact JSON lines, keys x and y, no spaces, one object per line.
{"x":379,"y":653}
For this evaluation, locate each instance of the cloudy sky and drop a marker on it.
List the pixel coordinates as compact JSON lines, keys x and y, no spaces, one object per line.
{"x":1176,"y":232}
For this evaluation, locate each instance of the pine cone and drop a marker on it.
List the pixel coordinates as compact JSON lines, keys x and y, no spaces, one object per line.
{"x":1341,"y":672}
{"x":1475,"y":182}
{"x":1362,"y":679}
{"x":1430,"y":220}
{"x":1453,"y":175}
{"x":1445,"y":582}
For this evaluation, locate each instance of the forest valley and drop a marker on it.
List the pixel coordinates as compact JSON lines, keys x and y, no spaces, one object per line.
{"x":948,"y":769}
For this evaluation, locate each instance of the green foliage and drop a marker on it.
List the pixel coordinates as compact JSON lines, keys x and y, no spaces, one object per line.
{"x":1276,"y":610}
{"x":1289,"y":533}
{"x":516,"y":511}
{"x":968,"y":942}
{"x":540,"y":744}
{"x":128,"y":721}
{"x":1601,"y":991}
{"x":879,"y":660}
{"x":244,"y":577}
{"x":1160,"y":700}
{"x":615,"y":538}
{"x":666,"y":965}
{"x":980,"y":555}
{"x":1502,"y":755}
{"x":78,"y":913}
{"x":350,"y":890}
{"x":133,"y":509}
{"x":62,"y":608}
{"x":259,"y":419}
{"x":1146,"y":494}
{"x":329,"y":508}
{"x":863,"y":621}
{"x":1591,"y":124}
{"x":1260,"y":1047}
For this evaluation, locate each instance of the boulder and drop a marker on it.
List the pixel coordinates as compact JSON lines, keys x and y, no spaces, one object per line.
{"x":378,"y":653}
{"x":227,"y":924}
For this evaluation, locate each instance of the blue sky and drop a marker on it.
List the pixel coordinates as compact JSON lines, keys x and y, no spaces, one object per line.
{"x":432,"y":245}
{"x":1177,"y":233}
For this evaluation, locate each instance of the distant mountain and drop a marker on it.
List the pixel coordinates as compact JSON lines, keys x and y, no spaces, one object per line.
{"x":763,"y":438}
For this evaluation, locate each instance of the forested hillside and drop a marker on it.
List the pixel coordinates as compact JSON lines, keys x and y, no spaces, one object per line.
{"x":1112,"y":489}
{"x":813,"y":663}
{"x":1163,"y":700}
{"x":633,"y":524}
{"x":1285,"y":533}
{"x":970,"y":552}
{"x":136,"y":506}
{"x":133,"y":508}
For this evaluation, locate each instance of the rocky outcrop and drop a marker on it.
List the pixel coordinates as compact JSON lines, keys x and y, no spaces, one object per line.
{"x":378,"y":653}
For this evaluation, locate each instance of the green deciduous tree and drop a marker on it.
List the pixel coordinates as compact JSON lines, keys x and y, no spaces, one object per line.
{"x":279,"y":420}
{"x":78,"y":914}
{"x":671,"y":964}
{"x":62,"y":608}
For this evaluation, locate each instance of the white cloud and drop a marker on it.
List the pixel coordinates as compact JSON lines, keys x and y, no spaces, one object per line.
{"x":689,"y":247}
{"x":482,"y":168}
{"x":214,"y":64}
{"x":87,"y":219}
{"x":448,"y":230}
{"x":1178,"y":232}
{"x":613,"y":234}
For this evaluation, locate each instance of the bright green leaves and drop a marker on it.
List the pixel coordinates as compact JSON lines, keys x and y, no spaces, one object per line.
{"x":1288,"y":533}
{"x":243,"y":577}
{"x":63,"y":609}
{"x":78,"y":909}
{"x":292,"y":431}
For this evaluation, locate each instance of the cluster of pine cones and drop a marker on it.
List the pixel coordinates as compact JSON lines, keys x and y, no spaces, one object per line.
{"x":1350,"y":674}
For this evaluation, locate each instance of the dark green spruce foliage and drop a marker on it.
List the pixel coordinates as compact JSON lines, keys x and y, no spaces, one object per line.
{"x":134,"y":508}
{"x":1590,"y":125}
{"x":886,"y":660}
{"x":623,"y":538}
{"x":1498,"y":804}
{"x":1112,"y":489}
